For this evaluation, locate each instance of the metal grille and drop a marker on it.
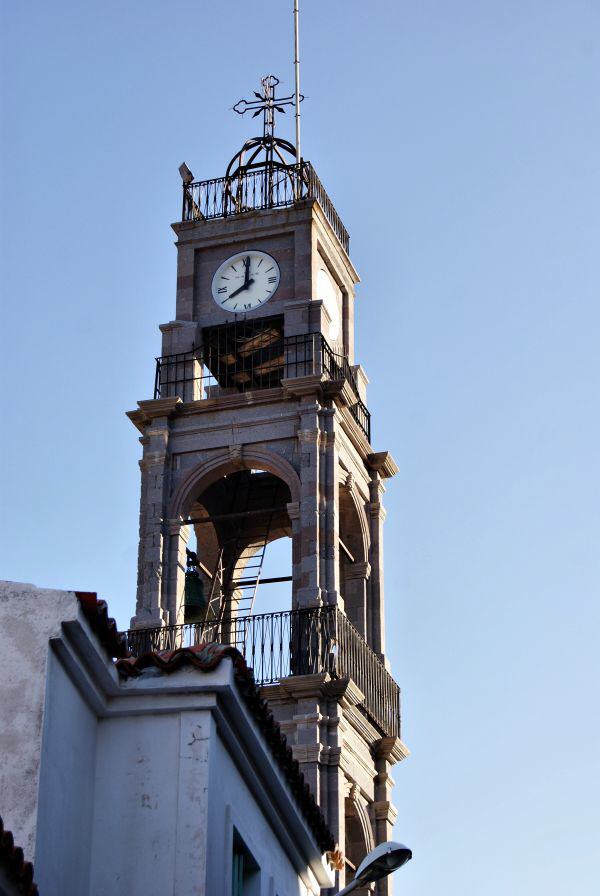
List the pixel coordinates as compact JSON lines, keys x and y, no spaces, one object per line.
{"x":295,"y":642}
{"x":258,"y":189}
{"x":244,"y":356}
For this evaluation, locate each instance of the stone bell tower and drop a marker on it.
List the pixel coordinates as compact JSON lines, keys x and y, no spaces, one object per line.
{"x":259,"y":430}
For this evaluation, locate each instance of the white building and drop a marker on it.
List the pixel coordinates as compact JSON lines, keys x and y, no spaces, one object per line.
{"x":164,"y":774}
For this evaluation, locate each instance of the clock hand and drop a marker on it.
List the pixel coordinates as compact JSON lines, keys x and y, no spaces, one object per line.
{"x":240,"y":289}
{"x":247,"y":266}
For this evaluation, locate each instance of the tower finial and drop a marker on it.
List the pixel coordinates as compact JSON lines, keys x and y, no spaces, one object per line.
{"x":267,"y":103}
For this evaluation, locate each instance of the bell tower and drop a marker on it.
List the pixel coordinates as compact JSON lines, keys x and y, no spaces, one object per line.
{"x":259,"y":430}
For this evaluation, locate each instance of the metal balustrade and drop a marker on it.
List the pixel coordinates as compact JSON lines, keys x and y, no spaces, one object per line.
{"x":200,"y":373}
{"x":311,"y":641}
{"x":259,"y":189}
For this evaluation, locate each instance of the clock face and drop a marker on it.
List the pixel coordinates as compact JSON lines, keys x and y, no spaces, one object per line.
{"x":245,"y":281}
{"x":327,"y":291}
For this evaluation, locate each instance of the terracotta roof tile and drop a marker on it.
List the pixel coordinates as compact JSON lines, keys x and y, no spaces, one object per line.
{"x":96,"y":613}
{"x":208,"y":656}
{"x":13,"y":862}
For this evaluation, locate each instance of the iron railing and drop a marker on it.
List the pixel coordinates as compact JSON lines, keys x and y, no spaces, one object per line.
{"x":295,"y":642}
{"x":259,"y":189}
{"x":201,"y":373}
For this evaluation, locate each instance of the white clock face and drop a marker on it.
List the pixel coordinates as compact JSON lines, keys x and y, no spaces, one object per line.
{"x":245,"y":281}
{"x":328,"y":291}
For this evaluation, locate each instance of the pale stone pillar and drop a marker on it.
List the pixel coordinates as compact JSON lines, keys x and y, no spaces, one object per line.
{"x":149,"y":609}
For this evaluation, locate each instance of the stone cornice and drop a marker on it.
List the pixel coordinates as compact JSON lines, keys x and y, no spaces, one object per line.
{"x":383,"y":463}
{"x":153,"y":408}
{"x":301,"y":386}
{"x":391,"y":749}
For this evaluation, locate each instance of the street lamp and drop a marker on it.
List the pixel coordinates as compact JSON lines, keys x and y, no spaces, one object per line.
{"x":384,"y":859}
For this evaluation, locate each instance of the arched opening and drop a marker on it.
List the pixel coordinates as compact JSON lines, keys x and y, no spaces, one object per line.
{"x":353,"y":554}
{"x":235,"y":519}
{"x":358,"y":839}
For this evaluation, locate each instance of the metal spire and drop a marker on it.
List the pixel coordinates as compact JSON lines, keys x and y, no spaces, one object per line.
{"x":297,"y":80}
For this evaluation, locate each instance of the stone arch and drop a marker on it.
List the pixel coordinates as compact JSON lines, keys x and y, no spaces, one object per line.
{"x":347,"y":487}
{"x":198,"y":481}
{"x":359,"y":839}
{"x":203,"y":475}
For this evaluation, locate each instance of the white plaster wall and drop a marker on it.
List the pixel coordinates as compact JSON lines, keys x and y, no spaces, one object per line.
{"x":66,"y":791}
{"x":232,"y":804}
{"x":29,"y":617}
{"x":151,"y":805}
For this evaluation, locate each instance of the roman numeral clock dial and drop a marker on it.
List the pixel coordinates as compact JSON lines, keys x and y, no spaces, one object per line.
{"x":245,"y":281}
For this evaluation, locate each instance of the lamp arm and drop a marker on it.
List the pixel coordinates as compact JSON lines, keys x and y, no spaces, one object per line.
{"x":350,"y":887}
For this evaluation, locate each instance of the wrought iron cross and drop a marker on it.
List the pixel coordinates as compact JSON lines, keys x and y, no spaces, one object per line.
{"x":267,"y":103}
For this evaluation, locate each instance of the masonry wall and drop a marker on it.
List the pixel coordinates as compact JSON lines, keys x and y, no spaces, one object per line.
{"x":66,"y":792}
{"x":29,"y":617}
{"x":150,"y":807}
{"x":232,"y":805}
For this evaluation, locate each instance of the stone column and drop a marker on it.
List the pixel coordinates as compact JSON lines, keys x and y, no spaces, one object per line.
{"x":309,"y":591}
{"x":150,"y":607}
{"x":174,"y":571}
{"x":388,"y":751}
{"x":376,"y":614}
{"x":328,"y":511}
{"x":356,"y":577}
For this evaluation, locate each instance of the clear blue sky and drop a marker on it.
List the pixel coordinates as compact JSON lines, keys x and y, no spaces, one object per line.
{"x":460,"y":143}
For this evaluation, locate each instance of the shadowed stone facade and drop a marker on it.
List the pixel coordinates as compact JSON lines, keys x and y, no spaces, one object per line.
{"x":303,"y":432}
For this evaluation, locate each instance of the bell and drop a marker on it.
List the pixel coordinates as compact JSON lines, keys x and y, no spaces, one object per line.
{"x":193,"y":600}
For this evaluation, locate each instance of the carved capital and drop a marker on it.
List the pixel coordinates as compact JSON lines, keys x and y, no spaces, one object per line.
{"x":360,"y":570}
{"x":376,"y":510}
{"x":385,"y":811}
{"x":308,"y":436}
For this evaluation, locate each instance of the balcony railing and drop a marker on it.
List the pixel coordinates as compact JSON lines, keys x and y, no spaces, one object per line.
{"x":296,"y":642}
{"x":221,"y":367}
{"x":259,"y":189}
